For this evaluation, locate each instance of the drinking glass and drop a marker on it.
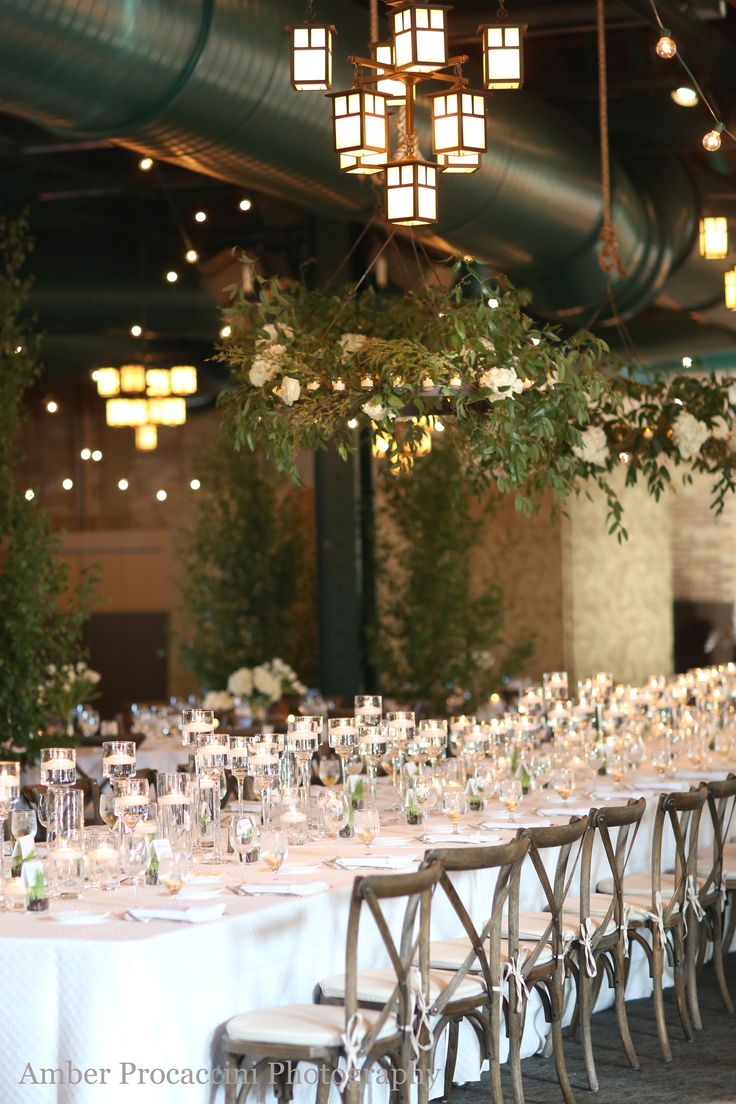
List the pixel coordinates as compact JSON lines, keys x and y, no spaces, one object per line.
{"x":329,"y":770}
{"x":212,"y":755}
{"x":615,"y":765}
{"x":367,"y":825}
{"x":118,"y":759}
{"x":454,"y":805}
{"x":66,"y":865}
{"x":336,"y":812}
{"x":509,"y":792}
{"x":292,"y":821}
{"x":23,"y":823}
{"x":264,"y":766}
{"x":274,"y":849}
{"x":245,"y":838}
{"x":237,"y":761}
{"x":196,"y":726}
{"x":368,"y":710}
{"x":88,"y":721}
{"x":372,"y":744}
{"x":9,"y":794}
{"x":432,"y":736}
{"x":175,"y":799}
{"x":58,"y":766}
{"x":342,"y":733}
{"x":554,"y":685}
{"x":131,"y":801}
{"x":107,"y":809}
{"x":563,"y":783}
{"x":136,"y":856}
{"x":172,"y":871}
{"x":102,"y":858}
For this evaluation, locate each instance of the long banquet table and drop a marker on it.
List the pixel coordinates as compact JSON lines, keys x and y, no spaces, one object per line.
{"x":128,"y":997}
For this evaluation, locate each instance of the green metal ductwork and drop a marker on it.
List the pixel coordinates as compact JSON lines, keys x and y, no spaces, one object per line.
{"x":206,"y":83}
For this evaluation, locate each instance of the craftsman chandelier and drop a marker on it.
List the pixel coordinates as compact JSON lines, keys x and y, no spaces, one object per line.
{"x":387,"y":82}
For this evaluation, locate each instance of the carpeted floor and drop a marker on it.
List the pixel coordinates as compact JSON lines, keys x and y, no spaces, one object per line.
{"x":701,"y":1072}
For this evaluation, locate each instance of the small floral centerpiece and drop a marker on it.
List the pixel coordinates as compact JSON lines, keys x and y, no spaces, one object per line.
{"x":65,"y":688}
{"x":258,"y":688}
{"x":218,"y":700}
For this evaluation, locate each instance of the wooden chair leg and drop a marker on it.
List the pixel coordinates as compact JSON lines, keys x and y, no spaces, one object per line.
{"x":718,"y":959}
{"x":495,"y":1019}
{"x":658,"y":996}
{"x":556,"y":998}
{"x":619,"y":988}
{"x":681,"y":982}
{"x":231,"y":1079}
{"x":585,"y":992}
{"x":516,"y":1030}
{"x":451,"y":1059}
{"x":691,"y":946}
{"x":325,"y":1072}
{"x":728,"y":936}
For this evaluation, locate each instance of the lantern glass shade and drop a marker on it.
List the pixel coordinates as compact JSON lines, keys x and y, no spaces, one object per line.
{"x":411,"y":193}
{"x":170,"y":411}
{"x":420,"y":37}
{"x":108,"y":382}
{"x":459,"y":122}
{"x":368,"y":165}
{"x":714,"y":238}
{"x":311,"y":57}
{"x":729,"y":280}
{"x":458,"y":162}
{"x":183,"y":379}
{"x":503,"y":60}
{"x":360,"y":122}
{"x":158,"y":382}
{"x":146,"y":438}
{"x":126,"y":412}
{"x":133,"y":379}
{"x":393,"y":89}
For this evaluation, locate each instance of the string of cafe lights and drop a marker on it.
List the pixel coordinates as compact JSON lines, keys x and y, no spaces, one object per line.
{"x":122,"y":484}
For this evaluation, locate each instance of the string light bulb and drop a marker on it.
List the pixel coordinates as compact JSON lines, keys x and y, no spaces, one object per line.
{"x":52,"y":406}
{"x":145,"y":164}
{"x":172,"y":276}
{"x":245,"y":204}
{"x":161,"y":495}
{"x":226,"y":331}
{"x":666,"y":46}
{"x":712,"y":140}
{"x":684,"y":96}
{"x":194,"y":484}
{"x":30,"y":495}
{"x":200,"y":216}
{"x":191,"y":256}
{"x":85,"y":454}
{"x":136,"y":330}
{"x":67,"y":484}
{"x":687,"y":362}
{"x":123,"y":484}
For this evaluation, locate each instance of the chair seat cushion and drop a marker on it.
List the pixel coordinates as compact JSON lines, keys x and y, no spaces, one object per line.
{"x":598,"y":910}
{"x":533,"y":925}
{"x":637,"y":907}
{"x":449,"y":954}
{"x":376,"y":986}
{"x":705,"y":861}
{"x":299,"y":1025}
{"x":640,"y":885}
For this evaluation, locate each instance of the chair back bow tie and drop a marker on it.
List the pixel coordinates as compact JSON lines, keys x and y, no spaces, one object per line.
{"x":352,"y":1040}
{"x":513,"y":974}
{"x":587,"y":932}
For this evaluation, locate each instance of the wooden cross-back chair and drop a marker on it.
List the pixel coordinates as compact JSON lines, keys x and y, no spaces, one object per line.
{"x":663,"y":905}
{"x":599,"y":940}
{"x":326,"y":1034}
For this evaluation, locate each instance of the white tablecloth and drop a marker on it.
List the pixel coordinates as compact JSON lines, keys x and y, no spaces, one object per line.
{"x":127,"y":997}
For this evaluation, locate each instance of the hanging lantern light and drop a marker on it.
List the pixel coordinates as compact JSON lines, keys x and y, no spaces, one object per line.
{"x":391,"y":87}
{"x":459,"y":122}
{"x":183,"y":379}
{"x":729,"y":280}
{"x":108,"y":382}
{"x":411,"y":192}
{"x":146,"y":438}
{"x":170,"y":411}
{"x":126,"y":412}
{"x":311,"y":57}
{"x":714,"y":237}
{"x":368,"y":165}
{"x":360,"y":122}
{"x":133,"y":379}
{"x":503,"y":57}
{"x":420,"y":36}
{"x":458,"y":162}
{"x":158,"y":382}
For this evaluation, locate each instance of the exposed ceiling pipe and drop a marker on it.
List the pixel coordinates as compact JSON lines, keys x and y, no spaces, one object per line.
{"x":205,"y":84}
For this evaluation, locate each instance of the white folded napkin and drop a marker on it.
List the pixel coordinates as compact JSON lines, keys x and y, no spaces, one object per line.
{"x":522,"y":820}
{"x":376,"y":862}
{"x":285,"y":889}
{"x":464,"y":837}
{"x":185,"y":916}
{"x":297,"y":868}
{"x":558,"y":808}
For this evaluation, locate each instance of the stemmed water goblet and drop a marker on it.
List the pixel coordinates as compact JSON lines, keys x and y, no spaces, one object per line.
{"x":454,"y":805}
{"x":329,"y":770}
{"x":274,"y":849}
{"x":9,"y":794}
{"x":245,"y":838}
{"x":212,"y":755}
{"x":509,"y":793}
{"x":342,"y":733}
{"x":563,"y":783}
{"x":303,"y":737}
{"x":400,"y":728}
{"x":367,"y":825}
{"x":336,"y":811}
{"x":237,"y":761}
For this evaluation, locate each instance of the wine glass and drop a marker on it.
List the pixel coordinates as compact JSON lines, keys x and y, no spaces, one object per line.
{"x":237,"y":761}
{"x":329,"y":770}
{"x":212,"y":754}
{"x":136,"y":856}
{"x":454,"y":805}
{"x":563,"y":783}
{"x":304,"y":735}
{"x":23,"y":823}
{"x":367,"y":825}
{"x":173,"y":870}
{"x":336,"y":812}
{"x":342,"y":733}
{"x":107,"y":809}
{"x":509,"y":792}
{"x":245,"y":838}
{"x":88,"y":721}
{"x":274,"y":849}
{"x":616,"y":765}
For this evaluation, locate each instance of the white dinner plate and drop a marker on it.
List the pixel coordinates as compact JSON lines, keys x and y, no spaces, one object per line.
{"x":77,"y":916}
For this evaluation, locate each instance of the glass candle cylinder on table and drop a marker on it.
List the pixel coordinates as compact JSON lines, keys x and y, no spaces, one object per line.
{"x":475,"y":747}
{"x":131,"y":801}
{"x":263,"y":764}
{"x":58,"y":766}
{"x":459,"y":723}
{"x":400,"y":728}
{"x":64,"y":813}
{"x":102,"y":858}
{"x":175,"y":799}
{"x":432,"y":738}
{"x":212,"y":755}
{"x":343,"y":736}
{"x":196,"y":726}
{"x":293,"y":821}
{"x":66,"y":865}
{"x":372,"y":744}
{"x":118,"y":759}
{"x":303,"y":738}
{"x":9,"y":794}
{"x":368,"y":710}
{"x":554,"y":685}
{"x":237,"y":761}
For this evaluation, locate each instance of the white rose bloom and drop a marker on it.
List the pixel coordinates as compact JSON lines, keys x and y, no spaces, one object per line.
{"x":219,"y":700}
{"x":275,"y":333}
{"x":261,"y":371}
{"x":689,"y":435}
{"x":353,"y":342}
{"x":732,"y":395}
{"x":92,"y":676}
{"x":594,"y":449}
{"x":266,"y":683}
{"x":240,"y":682}
{"x":290,"y":390}
{"x":496,"y":378}
{"x":374,"y":410}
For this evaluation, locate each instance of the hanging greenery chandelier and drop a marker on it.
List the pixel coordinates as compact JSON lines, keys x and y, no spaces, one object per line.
{"x":416,"y":52}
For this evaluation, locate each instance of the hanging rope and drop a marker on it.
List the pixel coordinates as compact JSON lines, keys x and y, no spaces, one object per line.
{"x":609,"y":258}
{"x":374,"y":21}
